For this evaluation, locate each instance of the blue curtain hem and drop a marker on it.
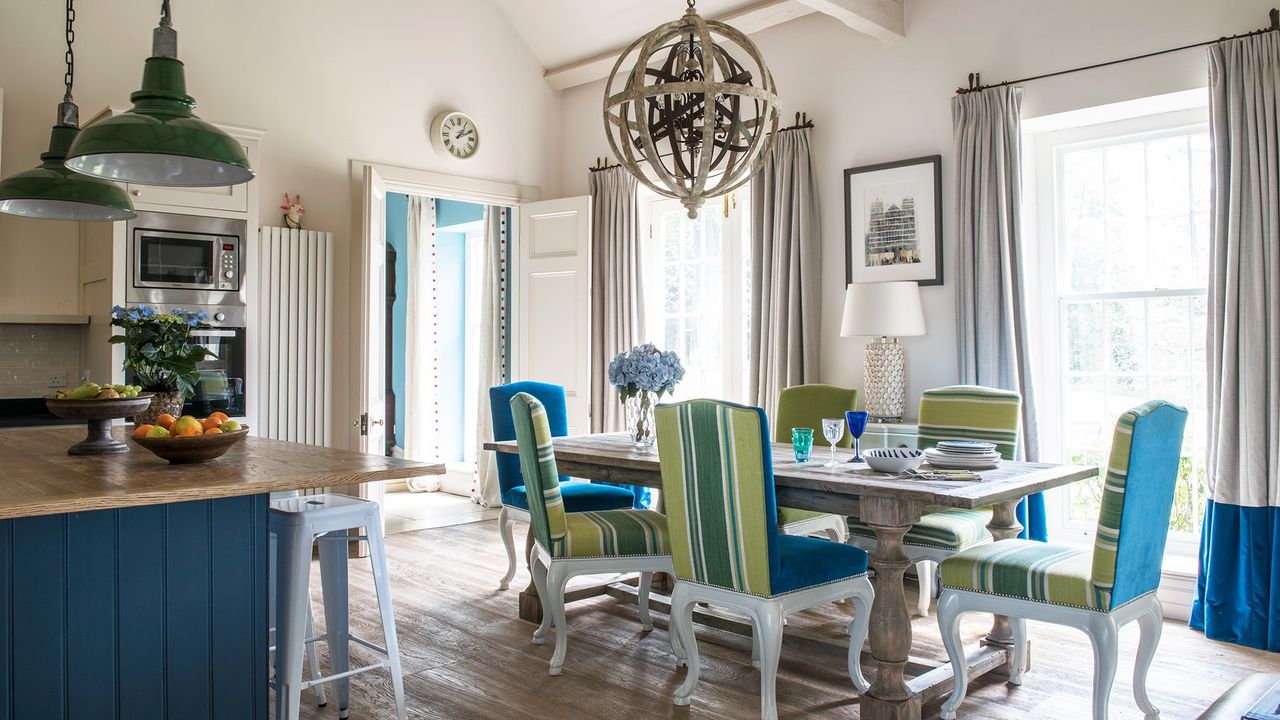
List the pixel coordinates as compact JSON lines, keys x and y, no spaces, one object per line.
{"x":1238,"y":586}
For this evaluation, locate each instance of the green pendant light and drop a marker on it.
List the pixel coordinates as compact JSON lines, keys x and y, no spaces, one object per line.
{"x":53,"y":192}
{"x":160,"y":141}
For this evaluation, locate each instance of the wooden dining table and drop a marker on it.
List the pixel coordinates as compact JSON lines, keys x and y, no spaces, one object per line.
{"x":890,"y":506}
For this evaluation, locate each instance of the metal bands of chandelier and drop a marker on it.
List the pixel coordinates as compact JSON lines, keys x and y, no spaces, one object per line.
{"x":693,"y":117}
{"x":52,"y":192}
{"x":161,"y":141}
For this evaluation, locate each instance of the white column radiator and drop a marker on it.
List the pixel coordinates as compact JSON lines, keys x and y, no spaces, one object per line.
{"x":294,"y":347}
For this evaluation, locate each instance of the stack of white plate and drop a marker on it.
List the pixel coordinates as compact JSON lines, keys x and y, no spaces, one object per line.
{"x":963,"y":455}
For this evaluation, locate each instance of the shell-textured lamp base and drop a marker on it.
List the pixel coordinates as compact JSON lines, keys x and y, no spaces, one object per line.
{"x":885,"y":381}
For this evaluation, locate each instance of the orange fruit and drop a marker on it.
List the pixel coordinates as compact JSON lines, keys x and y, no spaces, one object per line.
{"x":142,"y":430}
{"x":220,"y":416}
{"x":166,"y":421}
{"x":190,"y":431}
{"x":213,"y":431}
{"x":211,"y":423}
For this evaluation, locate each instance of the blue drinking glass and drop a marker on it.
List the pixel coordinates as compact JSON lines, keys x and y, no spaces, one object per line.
{"x":857,"y":425}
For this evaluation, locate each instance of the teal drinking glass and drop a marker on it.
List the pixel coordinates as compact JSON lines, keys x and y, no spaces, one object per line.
{"x":802,"y":443}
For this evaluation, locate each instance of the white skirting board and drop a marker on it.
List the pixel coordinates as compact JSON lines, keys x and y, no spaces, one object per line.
{"x":294,"y":344}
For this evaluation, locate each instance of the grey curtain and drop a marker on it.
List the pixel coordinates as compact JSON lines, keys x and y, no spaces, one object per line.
{"x":492,"y":362}
{"x":991,"y":286}
{"x":1244,"y":284}
{"x":617,"y":297}
{"x":786,"y":271}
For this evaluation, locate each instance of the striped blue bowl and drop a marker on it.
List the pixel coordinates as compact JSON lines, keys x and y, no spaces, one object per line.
{"x":893,"y":460}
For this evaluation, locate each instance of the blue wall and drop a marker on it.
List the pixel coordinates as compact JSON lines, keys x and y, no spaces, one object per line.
{"x":451,"y":266}
{"x":136,"y":614}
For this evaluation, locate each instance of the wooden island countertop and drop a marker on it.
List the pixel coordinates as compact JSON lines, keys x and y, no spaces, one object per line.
{"x":38,"y":477}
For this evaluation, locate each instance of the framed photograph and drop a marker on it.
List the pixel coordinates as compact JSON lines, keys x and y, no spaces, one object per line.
{"x":893,"y":222}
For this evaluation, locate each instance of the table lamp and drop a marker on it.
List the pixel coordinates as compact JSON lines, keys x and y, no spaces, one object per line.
{"x":887,"y":311}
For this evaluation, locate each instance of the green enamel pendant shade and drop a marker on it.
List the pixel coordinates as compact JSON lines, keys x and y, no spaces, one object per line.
{"x":160,"y":141}
{"x":52,"y":192}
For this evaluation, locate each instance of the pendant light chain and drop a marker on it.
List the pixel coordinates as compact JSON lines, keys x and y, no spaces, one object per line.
{"x":70,"y":77}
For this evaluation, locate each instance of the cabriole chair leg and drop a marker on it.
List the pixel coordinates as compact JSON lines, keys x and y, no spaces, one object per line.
{"x":505,"y":523}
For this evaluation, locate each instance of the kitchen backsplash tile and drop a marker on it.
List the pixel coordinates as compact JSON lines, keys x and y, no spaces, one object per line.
{"x":29,"y":354}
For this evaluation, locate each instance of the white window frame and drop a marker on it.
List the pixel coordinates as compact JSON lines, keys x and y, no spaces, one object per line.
{"x":1042,"y":180}
{"x":733,"y":256}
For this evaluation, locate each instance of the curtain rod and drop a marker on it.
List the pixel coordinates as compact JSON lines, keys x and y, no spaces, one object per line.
{"x":975,"y":79}
{"x":602,"y":163}
{"x":802,"y":123}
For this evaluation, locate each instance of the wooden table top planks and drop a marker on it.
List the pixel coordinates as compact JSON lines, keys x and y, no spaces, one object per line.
{"x":38,"y":477}
{"x":613,"y":455}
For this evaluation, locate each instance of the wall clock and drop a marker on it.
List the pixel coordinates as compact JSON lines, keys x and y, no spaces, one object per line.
{"x":455,"y":135}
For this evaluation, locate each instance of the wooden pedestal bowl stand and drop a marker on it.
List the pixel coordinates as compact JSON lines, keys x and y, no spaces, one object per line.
{"x":98,"y":414}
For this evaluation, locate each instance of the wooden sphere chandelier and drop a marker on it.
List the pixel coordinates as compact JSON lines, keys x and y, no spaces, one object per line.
{"x":690,"y":120}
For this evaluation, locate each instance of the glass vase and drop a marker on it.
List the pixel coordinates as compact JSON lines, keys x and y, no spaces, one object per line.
{"x":640,"y":423}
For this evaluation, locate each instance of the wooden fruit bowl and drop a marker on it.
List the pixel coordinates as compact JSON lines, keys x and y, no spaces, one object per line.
{"x":193,"y":449}
{"x":98,"y":414}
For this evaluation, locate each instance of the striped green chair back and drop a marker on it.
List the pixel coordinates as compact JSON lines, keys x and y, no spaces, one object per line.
{"x":1137,"y":497}
{"x":807,"y":405}
{"x":971,"y":412}
{"x":717,"y":479}
{"x":538,"y":466}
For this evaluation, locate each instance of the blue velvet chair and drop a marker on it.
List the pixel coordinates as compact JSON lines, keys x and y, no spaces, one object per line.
{"x":578,"y":496}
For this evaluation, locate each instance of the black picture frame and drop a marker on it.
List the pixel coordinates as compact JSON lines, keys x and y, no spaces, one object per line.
{"x":930,"y":259}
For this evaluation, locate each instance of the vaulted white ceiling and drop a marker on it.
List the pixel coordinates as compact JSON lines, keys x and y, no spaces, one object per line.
{"x":576,"y":40}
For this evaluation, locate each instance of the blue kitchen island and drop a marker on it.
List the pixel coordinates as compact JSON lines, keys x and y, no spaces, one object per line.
{"x":132,"y":589}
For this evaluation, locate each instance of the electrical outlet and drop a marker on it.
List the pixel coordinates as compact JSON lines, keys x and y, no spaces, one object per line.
{"x":57,"y":378}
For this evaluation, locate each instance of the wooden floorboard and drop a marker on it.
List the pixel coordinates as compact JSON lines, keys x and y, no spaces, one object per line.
{"x":467,"y":656}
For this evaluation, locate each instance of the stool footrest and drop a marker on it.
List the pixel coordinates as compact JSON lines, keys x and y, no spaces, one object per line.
{"x":338,"y":676}
{"x":376,"y":648}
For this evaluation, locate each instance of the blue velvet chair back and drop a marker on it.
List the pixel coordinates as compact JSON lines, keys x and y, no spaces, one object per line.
{"x":1140,"y":485}
{"x":553,"y":401}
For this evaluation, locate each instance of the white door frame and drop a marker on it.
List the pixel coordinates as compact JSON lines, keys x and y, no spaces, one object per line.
{"x":409,"y":181}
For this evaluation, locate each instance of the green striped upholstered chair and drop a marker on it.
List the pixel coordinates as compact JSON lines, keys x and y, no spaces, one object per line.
{"x":717,"y":480}
{"x":806,"y":406}
{"x":1096,"y":592}
{"x":959,"y":412}
{"x":579,"y":543}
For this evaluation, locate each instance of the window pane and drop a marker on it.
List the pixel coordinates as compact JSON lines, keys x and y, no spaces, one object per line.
{"x":1082,"y":213}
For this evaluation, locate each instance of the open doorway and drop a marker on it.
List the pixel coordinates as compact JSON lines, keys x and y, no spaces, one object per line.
{"x":434,"y":304}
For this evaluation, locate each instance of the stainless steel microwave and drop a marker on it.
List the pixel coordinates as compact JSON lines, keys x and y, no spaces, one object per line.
{"x":185,"y":260}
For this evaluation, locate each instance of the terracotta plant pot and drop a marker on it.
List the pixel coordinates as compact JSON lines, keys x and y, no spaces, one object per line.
{"x":169,"y":401}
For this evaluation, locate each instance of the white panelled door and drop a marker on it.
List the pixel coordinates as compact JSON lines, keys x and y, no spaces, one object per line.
{"x":551,"y":332}
{"x":371,"y":402}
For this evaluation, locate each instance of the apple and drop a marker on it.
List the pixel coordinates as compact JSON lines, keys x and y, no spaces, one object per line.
{"x":229,"y":426}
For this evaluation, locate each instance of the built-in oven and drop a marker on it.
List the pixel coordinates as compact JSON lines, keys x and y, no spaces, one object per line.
{"x":221,"y":382}
{"x":185,"y":260}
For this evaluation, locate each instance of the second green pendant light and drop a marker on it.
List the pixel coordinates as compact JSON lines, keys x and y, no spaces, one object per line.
{"x":160,"y":141}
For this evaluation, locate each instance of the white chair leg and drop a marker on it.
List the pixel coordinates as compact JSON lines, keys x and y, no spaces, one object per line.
{"x":924,"y":580}
{"x":556,"y":581}
{"x":1150,"y":625}
{"x":337,"y":621}
{"x":949,"y":626}
{"x":1104,"y":635}
{"x":539,"y":573}
{"x":1019,"y":659}
{"x":769,"y":629}
{"x":313,"y":657}
{"x":382,"y":584}
{"x":646,"y":584}
{"x":682,"y":619}
{"x":294,"y":564}
{"x":505,"y":523}
{"x":755,"y":646}
{"x":857,"y":638}
{"x":832,"y":534}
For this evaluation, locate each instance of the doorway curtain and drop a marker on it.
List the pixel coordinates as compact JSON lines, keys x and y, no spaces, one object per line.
{"x":991,"y":290}
{"x":493,"y":347}
{"x":422,"y":343}
{"x":1238,"y":587}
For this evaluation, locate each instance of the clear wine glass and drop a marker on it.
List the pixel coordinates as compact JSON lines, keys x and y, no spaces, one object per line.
{"x":832,"y":430}
{"x":857,"y":426}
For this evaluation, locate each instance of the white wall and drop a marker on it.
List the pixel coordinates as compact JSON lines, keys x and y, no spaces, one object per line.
{"x":875,"y":103}
{"x":330,"y":81}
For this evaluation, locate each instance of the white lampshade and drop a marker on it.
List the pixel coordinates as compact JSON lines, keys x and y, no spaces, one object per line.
{"x":886,"y":309}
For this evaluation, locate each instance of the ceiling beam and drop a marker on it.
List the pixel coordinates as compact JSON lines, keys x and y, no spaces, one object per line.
{"x":751,"y":19}
{"x":881,"y":19}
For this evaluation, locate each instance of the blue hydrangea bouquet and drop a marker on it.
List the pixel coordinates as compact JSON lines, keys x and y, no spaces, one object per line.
{"x":642,"y":376}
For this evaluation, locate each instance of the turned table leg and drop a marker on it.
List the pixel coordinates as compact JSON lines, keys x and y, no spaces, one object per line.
{"x":1004,"y":525}
{"x":889,"y":698}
